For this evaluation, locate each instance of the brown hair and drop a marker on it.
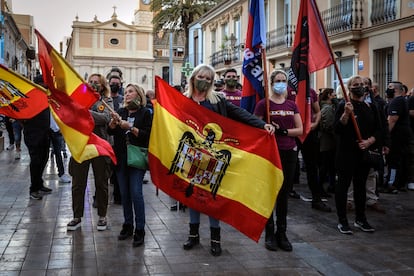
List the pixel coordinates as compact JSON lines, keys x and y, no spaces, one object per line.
{"x":140,"y":92}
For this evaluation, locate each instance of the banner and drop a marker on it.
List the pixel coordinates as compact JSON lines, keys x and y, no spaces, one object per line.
{"x":220,"y":167}
{"x":253,"y":89}
{"x":311,"y":52}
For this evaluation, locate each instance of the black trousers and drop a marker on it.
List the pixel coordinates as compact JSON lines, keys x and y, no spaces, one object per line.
{"x":39,"y":155}
{"x":310,"y":154}
{"x":288,"y":159}
{"x":356,"y":173}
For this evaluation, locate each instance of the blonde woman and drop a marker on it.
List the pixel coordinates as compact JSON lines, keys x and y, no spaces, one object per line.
{"x":132,"y":122}
{"x":200,"y":90}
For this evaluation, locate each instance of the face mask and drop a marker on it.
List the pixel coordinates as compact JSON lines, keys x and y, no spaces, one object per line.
{"x":279,"y":87}
{"x":134,"y":104}
{"x":96,"y":87}
{"x":202,"y":85}
{"x":390,"y":92}
{"x":231,"y":83}
{"x":115,"y":88}
{"x":358,"y":91}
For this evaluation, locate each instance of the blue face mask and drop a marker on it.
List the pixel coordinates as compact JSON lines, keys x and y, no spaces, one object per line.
{"x":279,"y":87}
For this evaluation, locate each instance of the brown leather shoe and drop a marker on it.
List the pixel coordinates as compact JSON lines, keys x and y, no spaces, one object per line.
{"x":377,"y":208}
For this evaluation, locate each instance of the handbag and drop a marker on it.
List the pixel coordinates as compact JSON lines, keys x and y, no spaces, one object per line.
{"x":137,"y":157}
{"x":373,"y":158}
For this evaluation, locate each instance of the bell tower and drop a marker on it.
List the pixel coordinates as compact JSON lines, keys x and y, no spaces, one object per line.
{"x":143,"y":13}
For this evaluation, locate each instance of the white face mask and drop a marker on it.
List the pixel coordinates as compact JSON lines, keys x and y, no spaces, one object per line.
{"x":279,"y":87}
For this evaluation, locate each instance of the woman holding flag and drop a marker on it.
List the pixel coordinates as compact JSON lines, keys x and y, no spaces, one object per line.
{"x":284,"y":114}
{"x":201,"y":91}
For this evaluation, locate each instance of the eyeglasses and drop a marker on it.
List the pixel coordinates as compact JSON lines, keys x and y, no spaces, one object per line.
{"x":280,"y":80}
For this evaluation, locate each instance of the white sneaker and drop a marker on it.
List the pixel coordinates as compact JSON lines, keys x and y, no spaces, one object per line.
{"x":17,"y":155}
{"x":410,"y":186}
{"x":64,"y":179}
{"x":10,"y":147}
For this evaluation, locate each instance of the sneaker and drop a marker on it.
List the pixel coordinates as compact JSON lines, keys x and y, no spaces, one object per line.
{"x":10,"y":147}
{"x":36,"y":195}
{"x":321,"y":206}
{"x":102,"y":225}
{"x":344,"y":229}
{"x":364,"y":226}
{"x":65,"y":155}
{"x":17,"y":155}
{"x":410,"y":186}
{"x":46,"y":190}
{"x":64,"y":179}
{"x":74,"y":224}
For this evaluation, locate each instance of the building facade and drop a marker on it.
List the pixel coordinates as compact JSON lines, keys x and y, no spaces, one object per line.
{"x":97,"y":47}
{"x":16,"y":41}
{"x":373,"y":38}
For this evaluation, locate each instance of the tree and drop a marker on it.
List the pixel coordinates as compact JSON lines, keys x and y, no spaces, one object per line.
{"x":177,"y":15}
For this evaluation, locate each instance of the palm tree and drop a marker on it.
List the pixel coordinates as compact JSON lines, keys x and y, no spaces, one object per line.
{"x":177,"y":15}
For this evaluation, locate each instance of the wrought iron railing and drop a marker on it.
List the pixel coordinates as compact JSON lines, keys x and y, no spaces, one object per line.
{"x":228,"y":55}
{"x":383,"y":11}
{"x":281,"y":37}
{"x":343,"y":17}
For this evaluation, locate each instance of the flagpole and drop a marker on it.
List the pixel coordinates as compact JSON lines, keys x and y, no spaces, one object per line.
{"x":266,"y":85}
{"x":354,"y":122}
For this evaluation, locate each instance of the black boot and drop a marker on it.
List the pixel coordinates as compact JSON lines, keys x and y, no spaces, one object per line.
{"x":138,"y":237}
{"x":270,"y":241}
{"x":215,"y":249}
{"x":127,"y":231}
{"x":282,"y":240}
{"x":193,"y":237}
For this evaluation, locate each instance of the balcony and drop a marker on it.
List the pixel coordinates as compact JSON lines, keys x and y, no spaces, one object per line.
{"x":347,"y":16}
{"x":227,"y":56}
{"x":281,"y":38}
{"x":383,"y":11}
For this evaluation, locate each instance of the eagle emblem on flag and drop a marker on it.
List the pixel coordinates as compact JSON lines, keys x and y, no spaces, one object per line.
{"x":200,"y":161}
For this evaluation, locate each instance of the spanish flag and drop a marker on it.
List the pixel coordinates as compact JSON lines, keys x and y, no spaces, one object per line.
{"x":70,"y":100}
{"x":215,"y":165}
{"x":19,"y":97}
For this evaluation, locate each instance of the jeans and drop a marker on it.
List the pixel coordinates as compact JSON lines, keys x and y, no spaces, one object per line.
{"x":17,"y":132}
{"x":195,"y":218}
{"x":57,"y":143}
{"x":130,"y":185}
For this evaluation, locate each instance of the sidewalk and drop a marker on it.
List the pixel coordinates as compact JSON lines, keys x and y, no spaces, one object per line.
{"x":34,"y":240}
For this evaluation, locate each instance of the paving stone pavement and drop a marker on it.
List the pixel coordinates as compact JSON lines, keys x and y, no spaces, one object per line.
{"x":34,"y":240}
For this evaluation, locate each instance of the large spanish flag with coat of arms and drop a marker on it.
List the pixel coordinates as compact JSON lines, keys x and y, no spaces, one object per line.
{"x":215,"y":165}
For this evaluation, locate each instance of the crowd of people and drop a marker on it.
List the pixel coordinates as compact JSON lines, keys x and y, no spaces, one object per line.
{"x":357,"y":147}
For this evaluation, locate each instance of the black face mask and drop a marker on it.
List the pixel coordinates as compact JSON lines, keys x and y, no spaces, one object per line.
{"x":390,"y":92}
{"x":115,"y":88}
{"x":358,"y":91}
